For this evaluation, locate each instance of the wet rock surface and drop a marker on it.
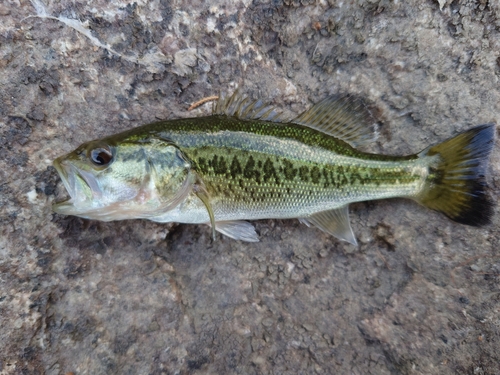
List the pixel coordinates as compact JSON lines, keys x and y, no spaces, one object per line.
{"x":419,"y":295}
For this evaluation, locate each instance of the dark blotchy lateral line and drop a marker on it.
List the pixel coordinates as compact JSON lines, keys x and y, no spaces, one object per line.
{"x":329,"y":177}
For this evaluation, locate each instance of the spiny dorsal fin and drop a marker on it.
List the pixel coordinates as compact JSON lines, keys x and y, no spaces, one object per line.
{"x":334,"y":222}
{"x":245,"y":108}
{"x":343,"y":117}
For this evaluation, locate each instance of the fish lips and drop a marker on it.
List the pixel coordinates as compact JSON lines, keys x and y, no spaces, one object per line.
{"x":80,"y":185}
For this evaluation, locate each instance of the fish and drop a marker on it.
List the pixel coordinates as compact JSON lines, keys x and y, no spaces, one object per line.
{"x":246,"y":161}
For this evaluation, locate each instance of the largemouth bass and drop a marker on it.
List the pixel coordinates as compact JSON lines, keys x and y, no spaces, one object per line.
{"x":245,"y":163}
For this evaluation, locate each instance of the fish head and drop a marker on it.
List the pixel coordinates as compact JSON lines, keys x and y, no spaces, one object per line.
{"x":122,"y":179}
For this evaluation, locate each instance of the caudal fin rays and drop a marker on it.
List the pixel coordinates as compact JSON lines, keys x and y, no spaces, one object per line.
{"x":456,"y":184}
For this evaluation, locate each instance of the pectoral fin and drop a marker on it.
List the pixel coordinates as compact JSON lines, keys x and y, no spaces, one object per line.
{"x":335,"y":222}
{"x":201,"y":192}
{"x":238,"y":230}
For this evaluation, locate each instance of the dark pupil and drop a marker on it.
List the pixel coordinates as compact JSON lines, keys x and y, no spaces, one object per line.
{"x":101,"y":156}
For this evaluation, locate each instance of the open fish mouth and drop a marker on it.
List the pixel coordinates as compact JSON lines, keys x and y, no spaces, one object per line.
{"x":64,"y":178}
{"x":77,"y":187}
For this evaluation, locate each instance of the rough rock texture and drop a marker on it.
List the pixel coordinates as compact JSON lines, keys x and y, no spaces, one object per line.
{"x":419,"y":296}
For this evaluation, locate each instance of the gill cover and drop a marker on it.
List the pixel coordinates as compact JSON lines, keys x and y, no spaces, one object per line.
{"x":123,"y":179}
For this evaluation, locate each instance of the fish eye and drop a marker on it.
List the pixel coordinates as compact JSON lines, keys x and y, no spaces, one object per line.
{"x":101,"y":156}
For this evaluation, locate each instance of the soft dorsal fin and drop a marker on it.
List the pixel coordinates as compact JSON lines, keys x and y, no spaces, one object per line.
{"x":335,"y":222}
{"x":343,"y":117}
{"x":245,"y":108}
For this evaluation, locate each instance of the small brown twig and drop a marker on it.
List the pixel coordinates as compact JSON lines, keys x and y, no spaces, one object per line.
{"x":384,"y":260}
{"x":202,"y":101}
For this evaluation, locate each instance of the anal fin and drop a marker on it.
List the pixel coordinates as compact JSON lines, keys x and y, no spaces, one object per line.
{"x":334,"y":222}
{"x":238,"y":230}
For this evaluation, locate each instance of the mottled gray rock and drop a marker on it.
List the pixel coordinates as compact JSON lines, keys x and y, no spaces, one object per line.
{"x":419,"y":296}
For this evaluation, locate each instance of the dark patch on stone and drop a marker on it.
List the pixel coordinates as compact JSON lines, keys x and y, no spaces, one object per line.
{"x":184,"y":29}
{"x":19,"y":159}
{"x":122,"y":342}
{"x":71,"y":227}
{"x":132,"y":90}
{"x":122,"y":100}
{"x":50,"y":82}
{"x":110,"y":61}
{"x":137,"y":35}
{"x":47,"y":80}
{"x":29,"y":75}
{"x":79,"y":329}
{"x":17,"y":130}
{"x":196,"y":364}
{"x":100,"y":247}
{"x":36,"y":114}
{"x":464,"y":300}
{"x":28,"y":353}
{"x":166,"y":12}
{"x":75,"y":268}
{"x":225,"y":70}
{"x":107,"y":362}
{"x":44,"y":260}
{"x":108,"y":241}
{"x":223,"y":21}
{"x":441,"y":77}
{"x":384,"y":236}
{"x":98,"y":22}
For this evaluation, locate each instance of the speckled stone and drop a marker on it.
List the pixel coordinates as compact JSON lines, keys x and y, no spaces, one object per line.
{"x":418,"y":296}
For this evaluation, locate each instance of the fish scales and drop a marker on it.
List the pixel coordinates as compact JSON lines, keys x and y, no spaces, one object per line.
{"x":263,"y":166}
{"x":245,"y":163}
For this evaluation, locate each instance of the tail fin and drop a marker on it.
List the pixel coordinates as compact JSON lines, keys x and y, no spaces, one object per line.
{"x":456,"y":184}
